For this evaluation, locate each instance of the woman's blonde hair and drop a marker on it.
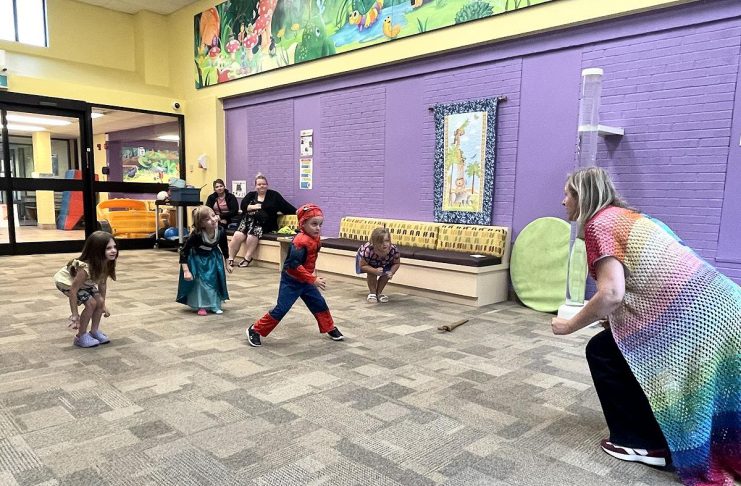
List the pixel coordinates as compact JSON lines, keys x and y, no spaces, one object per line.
{"x":199,"y":214}
{"x":593,"y":190}
{"x":378,"y":235}
{"x":260,"y":176}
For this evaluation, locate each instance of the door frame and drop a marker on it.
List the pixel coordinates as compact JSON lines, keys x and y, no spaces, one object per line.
{"x":88,"y":185}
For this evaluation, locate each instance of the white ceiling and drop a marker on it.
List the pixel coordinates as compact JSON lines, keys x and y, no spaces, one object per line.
{"x":112,"y":121}
{"x":163,"y":7}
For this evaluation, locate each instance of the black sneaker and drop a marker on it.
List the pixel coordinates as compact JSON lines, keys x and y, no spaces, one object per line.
{"x":252,"y":337}
{"x":336,"y":335}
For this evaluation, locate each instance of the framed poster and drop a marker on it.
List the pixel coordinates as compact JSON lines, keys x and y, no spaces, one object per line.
{"x":465,"y":158}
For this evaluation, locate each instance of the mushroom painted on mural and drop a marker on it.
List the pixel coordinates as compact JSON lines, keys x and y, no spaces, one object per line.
{"x":232,"y":47}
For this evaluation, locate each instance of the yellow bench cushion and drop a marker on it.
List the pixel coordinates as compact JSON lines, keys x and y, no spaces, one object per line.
{"x":413,"y":233}
{"x":358,"y":228}
{"x":290,"y":220}
{"x":484,"y":240}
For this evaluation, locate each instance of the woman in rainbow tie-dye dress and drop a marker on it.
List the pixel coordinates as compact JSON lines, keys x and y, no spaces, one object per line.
{"x":668,"y":369}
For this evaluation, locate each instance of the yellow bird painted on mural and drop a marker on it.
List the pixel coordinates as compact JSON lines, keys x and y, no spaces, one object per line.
{"x":390,"y":30}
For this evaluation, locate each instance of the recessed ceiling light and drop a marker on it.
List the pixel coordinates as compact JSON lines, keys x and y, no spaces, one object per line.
{"x":169,"y":138}
{"x":52,"y":122}
{"x":25,"y":128}
{"x":96,"y":114}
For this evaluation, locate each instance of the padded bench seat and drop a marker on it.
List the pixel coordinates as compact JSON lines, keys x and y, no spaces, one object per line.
{"x":436,"y":257}
{"x":442,"y":256}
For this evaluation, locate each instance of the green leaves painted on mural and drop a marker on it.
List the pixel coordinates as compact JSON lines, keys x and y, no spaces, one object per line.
{"x":473,"y":11}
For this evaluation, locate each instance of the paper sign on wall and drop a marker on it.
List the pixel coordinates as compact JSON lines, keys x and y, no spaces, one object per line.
{"x":306,"y":145}
{"x":306,"y":170}
{"x":239,"y":188}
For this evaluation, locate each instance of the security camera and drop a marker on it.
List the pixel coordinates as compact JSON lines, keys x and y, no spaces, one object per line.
{"x":175,"y":105}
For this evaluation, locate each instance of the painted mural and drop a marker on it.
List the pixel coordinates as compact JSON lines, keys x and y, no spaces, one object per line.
{"x":239,"y":38}
{"x":144,"y":165}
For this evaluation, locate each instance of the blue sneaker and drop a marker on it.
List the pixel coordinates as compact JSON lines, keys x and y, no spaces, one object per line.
{"x":100,"y":336}
{"x":86,"y":341}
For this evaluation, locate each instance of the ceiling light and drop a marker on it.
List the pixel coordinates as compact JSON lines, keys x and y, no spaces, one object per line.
{"x":52,"y":122}
{"x":169,"y":138}
{"x":95,"y":114}
{"x":25,"y":128}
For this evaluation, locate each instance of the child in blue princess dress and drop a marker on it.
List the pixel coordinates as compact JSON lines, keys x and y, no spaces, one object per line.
{"x":202,"y":283}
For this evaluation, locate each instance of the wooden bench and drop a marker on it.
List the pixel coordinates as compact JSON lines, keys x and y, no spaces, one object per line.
{"x":465,"y":264}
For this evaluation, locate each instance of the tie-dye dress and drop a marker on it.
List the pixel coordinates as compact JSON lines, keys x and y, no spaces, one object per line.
{"x":679,"y":329}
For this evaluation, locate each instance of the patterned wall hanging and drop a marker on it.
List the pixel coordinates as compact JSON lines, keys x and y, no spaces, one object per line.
{"x":465,"y":156}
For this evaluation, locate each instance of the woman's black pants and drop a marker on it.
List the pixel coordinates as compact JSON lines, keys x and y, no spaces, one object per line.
{"x":627,"y":412}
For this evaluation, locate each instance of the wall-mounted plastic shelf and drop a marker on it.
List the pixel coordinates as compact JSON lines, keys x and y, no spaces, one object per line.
{"x":603,"y":130}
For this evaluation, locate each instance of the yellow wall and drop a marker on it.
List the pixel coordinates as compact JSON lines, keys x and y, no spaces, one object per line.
{"x":146,"y":61}
{"x":96,"y":55}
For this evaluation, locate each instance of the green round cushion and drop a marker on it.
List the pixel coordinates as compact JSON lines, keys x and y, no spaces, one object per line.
{"x":540,"y":261}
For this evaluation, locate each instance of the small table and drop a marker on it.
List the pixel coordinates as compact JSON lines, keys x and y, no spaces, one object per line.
{"x":179,"y":205}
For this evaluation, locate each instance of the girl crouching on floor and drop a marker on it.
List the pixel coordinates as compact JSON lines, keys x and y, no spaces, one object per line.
{"x":83,"y":281}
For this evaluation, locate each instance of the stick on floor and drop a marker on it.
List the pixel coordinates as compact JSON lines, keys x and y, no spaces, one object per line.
{"x":450,"y":327}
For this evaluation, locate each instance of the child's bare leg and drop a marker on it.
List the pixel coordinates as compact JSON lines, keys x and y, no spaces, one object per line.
{"x":382,"y":281}
{"x":372,"y":282}
{"x":97,"y":313}
{"x":87,"y":313}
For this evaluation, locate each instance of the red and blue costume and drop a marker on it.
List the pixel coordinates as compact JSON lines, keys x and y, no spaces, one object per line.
{"x":297,"y":280}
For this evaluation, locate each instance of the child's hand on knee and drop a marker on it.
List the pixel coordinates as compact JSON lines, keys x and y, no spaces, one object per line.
{"x":73,"y":322}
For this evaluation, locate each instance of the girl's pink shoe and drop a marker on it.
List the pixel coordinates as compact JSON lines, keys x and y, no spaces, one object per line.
{"x":202,"y":312}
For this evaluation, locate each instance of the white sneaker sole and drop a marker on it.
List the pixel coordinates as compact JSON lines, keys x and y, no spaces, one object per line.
{"x":637,"y":456}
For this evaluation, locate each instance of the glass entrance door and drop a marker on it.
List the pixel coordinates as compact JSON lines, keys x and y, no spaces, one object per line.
{"x":42,"y":179}
{"x":68,"y":168}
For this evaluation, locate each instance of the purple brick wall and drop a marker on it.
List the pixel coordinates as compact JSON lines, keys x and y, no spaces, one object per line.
{"x":669,"y":82}
{"x":350,"y":158}
{"x":674,"y":93}
{"x":259,"y":142}
{"x":482,"y":81}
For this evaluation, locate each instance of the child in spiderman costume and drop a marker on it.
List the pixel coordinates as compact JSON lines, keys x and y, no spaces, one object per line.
{"x":298,"y":279}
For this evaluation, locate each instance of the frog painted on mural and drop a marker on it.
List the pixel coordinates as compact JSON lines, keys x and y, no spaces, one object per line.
{"x":314,"y":42}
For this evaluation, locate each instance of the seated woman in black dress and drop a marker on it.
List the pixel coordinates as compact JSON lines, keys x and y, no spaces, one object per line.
{"x":223,"y":202}
{"x":260,"y":210}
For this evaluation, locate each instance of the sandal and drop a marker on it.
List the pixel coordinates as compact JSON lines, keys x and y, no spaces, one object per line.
{"x":245,"y":263}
